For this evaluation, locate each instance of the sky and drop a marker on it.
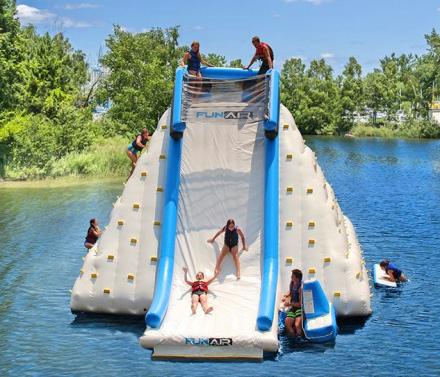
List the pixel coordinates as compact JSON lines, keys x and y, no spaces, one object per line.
{"x":309,"y":29}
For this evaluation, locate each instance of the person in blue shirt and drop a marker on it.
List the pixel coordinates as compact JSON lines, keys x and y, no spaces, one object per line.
{"x":394,"y":273}
{"x":193,"y":60}
{"x":293,"y":300}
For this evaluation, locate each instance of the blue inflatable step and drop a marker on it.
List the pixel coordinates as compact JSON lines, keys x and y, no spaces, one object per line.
{"x":319,"y":318}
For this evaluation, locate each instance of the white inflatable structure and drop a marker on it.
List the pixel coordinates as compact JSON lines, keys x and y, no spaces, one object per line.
{"x":222,"y":175}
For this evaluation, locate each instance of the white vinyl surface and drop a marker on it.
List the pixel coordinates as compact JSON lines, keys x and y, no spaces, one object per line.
{"x":222,"y":177}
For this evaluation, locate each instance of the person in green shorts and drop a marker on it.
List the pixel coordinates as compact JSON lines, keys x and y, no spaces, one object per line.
{"x":293,"y":322}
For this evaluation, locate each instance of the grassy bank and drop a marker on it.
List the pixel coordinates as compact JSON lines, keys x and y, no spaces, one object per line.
{"x":105,"y":158}
{"x":61,"y":182}
{"x":413,"y":129}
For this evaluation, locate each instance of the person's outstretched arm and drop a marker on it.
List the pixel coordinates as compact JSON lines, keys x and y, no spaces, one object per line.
{"x":211,"y":240}
{"x":243,"y":241}
{"x":184,"y":60}
{"x":252,"y":61}
{"x":204,"y":62}
{"x":185,"y":270}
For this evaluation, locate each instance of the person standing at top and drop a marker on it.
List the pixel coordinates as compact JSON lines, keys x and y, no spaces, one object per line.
{"x":230,"y":245}
{"x":192,"y":59}
{"x":264,"y":53}
{"x":136,"y":146}
{"x":93,"y":234}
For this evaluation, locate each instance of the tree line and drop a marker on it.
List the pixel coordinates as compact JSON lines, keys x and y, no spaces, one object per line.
{"x":46,"y":100}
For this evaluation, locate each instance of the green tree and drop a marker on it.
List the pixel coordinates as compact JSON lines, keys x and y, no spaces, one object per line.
{"x":375,"y":93}
{"x":351,"y":94}
{"x":236,"y":63}
{"x":140,"y":77}
{"x":293,"y":89}
{"x":215,"y":59}
{"x":322,"y":114}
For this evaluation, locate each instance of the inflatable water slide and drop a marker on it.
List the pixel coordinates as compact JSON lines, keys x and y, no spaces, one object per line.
{"x":225,"y":149}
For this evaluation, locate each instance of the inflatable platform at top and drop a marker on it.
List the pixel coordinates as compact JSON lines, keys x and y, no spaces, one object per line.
{"x":226,"y":149}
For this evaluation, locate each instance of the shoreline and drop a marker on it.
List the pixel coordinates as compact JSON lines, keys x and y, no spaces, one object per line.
{"x":60,"y":182}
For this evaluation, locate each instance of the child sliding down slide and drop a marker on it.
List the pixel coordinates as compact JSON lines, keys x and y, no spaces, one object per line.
{"x":199,"y":291}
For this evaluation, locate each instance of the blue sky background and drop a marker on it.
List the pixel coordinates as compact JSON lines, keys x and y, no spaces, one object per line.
{"x":310,"y":29}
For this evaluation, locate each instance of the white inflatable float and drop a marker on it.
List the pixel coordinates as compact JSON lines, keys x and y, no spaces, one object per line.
{"x":231,"y":162}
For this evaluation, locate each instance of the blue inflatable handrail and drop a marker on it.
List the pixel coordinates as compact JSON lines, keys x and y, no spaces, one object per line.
{"x":271,"y":124}
{"x":176,"y":115}
{"x":269,"y":279}
{"x":165,"y":267}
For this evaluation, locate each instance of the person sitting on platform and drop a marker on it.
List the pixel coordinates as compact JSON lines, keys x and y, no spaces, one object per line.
{"x":393,"y":273}
{"x":293,"y":321}
{"x":199,"y":291}
{"x":93,"y":234}
{"x":230,"y":245}
{"x":136,"y":146}
{"x":264,"y":53}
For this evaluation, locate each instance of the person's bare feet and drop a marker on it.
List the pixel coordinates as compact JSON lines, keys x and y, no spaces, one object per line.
{"x":209,"y":310}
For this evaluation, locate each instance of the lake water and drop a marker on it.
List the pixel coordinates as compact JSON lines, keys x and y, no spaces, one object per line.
{"x":389,"y":189}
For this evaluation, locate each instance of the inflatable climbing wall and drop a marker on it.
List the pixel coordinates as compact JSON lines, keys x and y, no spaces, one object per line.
{"x":222,"y":170}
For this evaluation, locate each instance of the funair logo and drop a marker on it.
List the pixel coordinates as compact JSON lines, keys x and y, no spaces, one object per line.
{"x":225,"y":114}
{"x":216,"y":342}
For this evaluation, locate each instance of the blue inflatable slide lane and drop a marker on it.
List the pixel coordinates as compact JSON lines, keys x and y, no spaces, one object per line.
{"x":319,"y":319}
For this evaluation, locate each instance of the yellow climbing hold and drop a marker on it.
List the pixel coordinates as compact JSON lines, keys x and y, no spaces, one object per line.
{"x":289,"y":224}
{"x":157,"y":223}
{"x":289,"y":189}
{"x":289,"y":260}
{"x":93,"y":275}
{"x":309,"y":190}
{"x":327,"y":259}
{"x":162,"y":157}
{"x":311,"y":224}
{"x":136,"y":206}
{"x":130,"y":277}
{"x":312,"y":270}
{"x":110,"y":257}
{"x":285,"y":126}
{"x":120,"y":222}
{"x":133,"y":241}
{"x":143,"y":173}
{"x":153,"y":258}
{"x":337,"y":294}
{"x":159,"y":189}
{"x":106,"y":291}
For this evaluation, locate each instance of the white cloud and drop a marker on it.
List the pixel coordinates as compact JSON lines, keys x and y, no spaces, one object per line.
{"x":70,"y":6}
{"x":31,"y":15}
{"x":327,"y":55}
{"x":198,"y":27}
{"x":313,"y":2}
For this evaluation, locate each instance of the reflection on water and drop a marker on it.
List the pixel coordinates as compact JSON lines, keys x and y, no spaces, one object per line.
{"x":389,"y":189}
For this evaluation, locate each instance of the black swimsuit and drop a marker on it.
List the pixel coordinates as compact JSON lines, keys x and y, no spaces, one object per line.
{"x":231,"y":237}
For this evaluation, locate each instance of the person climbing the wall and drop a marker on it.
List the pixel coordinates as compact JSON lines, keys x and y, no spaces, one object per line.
{"x":230,"y":245}
{"x":136,"y":146}
{"x":394,"y":274}
{"x":93,"y":234}
{"x":293,"y":299}
{"x":199,"y":291}
{"x":264,"y":53}
{"x":192,"y":59}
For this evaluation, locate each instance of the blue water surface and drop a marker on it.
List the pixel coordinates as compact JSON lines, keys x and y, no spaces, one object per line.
{"x":390,"y":189}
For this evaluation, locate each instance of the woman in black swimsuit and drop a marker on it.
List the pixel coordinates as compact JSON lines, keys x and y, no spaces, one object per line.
{"x":231,"y":245}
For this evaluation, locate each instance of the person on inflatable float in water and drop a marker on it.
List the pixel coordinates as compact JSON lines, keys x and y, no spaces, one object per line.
{"x":393,"y":273}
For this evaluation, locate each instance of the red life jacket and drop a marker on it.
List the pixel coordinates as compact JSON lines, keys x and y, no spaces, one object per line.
{"x":260,"y":51}
{"x":199,"y":285}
